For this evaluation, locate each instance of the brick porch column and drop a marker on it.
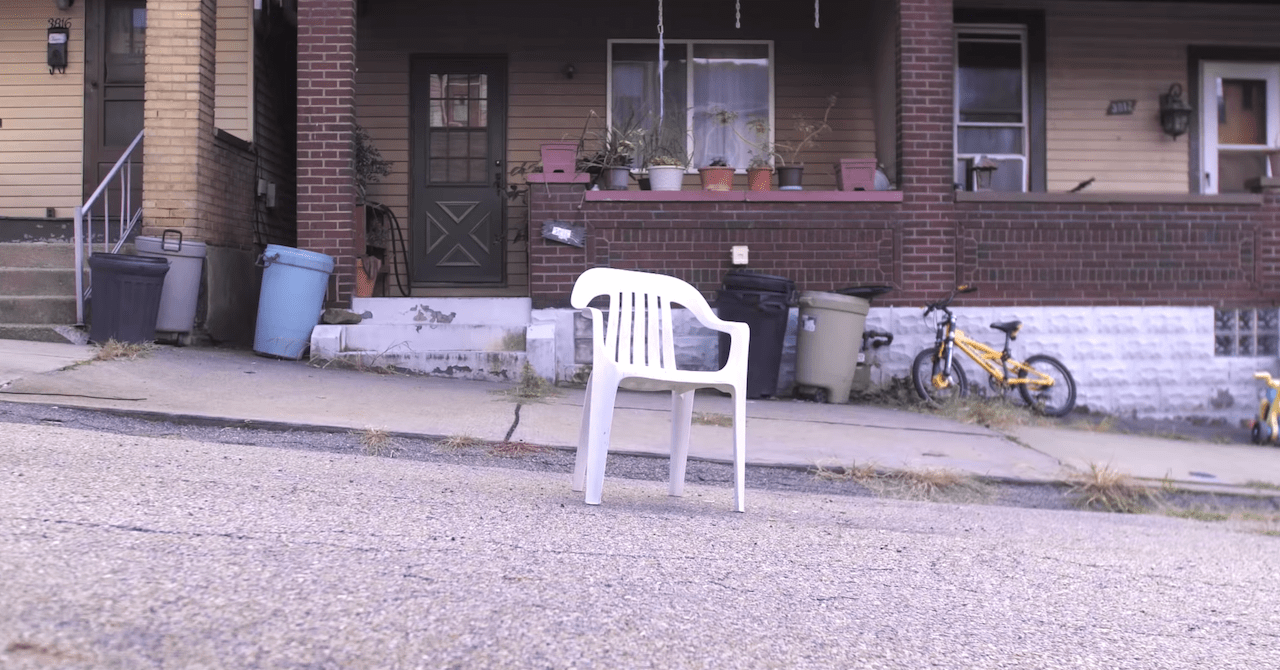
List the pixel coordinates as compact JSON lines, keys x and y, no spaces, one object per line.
{"x":925,"y":102}
{"x":326,"y":112}
{"x":178,"y":117}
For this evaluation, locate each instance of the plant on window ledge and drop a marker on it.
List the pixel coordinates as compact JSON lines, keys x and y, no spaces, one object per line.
{"x":608,"y":153}
{"x":786,"y":154}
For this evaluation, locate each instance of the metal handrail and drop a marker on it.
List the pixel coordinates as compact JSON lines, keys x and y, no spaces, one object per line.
{"x":126,"y":214}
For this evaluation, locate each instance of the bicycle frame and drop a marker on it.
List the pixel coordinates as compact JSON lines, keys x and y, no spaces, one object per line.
{"x":1000,"y":365}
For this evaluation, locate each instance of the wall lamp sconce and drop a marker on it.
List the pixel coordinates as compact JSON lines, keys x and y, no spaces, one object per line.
{"x":63,"y":5}
{"x":1175,"y":115}
{"x":568,"y":70}
{"x":980,"y":171}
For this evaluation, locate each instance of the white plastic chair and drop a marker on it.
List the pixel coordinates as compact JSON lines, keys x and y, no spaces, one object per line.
{"x":634,"y":350}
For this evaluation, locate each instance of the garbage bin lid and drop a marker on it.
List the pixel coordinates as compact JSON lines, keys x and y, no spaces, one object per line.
{"x":755,"y":281}
{"x":126,"y":264}
{"x":834,"y":302}
{"x":170,"y":247}
{"x":865,"y":292}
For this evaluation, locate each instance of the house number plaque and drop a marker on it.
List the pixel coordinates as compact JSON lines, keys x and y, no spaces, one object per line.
{"x":1121,"y":107}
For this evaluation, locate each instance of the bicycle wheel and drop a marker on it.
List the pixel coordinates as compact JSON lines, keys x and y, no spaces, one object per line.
{"x":923,"y":370}
{"x":1055,"y":400}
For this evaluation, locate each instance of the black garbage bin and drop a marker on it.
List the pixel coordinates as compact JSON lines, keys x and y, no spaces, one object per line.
{"x":762,"y":302}
{"x":126,"y":296}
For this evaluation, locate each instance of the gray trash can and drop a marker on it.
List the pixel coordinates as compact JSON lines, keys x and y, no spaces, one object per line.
{"x":181,"y":291}
{"x":827,"y":344}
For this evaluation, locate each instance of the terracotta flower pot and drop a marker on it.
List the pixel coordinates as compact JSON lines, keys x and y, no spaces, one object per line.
{"x":760,"y":179}
{"x":717,"y":178}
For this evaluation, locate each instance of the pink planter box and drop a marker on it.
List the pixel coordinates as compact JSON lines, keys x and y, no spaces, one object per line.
{"x":559,"y":157}
{"x":856,"y":174}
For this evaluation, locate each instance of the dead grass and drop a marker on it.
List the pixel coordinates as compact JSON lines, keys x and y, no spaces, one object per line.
{"x":375,"y":366}
{"x":378,"y":442}
{"x":897,"y":393}
{"x":516,"y":449}
{"x":532,"y":386}
{"x":994,"y":413}
{"x":713,"y":419}
{"x":933,"y":484}
{"x":1259,"y":484}
{"x":1102,"y":488}
{"x":458,"y":442}
{"x":112,"y":350}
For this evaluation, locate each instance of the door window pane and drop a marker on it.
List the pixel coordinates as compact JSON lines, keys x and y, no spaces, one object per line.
{"x":459,"y":116}
{"x":1242,"y":111}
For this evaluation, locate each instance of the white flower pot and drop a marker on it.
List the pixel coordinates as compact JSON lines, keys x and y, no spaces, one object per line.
{"x":666,"y":177}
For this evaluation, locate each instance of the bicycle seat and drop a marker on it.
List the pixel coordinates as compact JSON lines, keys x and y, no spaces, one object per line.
{"x":1009,"y":328}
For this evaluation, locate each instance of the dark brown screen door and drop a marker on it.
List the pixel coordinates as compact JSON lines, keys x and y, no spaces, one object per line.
{"x":114,"y":93}
{"x":459,"y":122}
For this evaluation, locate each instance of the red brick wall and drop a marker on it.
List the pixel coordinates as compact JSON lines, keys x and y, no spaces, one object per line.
{"x":1028,"y":253}
{"x":326,"y":111}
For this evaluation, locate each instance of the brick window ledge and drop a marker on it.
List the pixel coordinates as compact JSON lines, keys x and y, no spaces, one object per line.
{"x":1114,"y":198}
{"x":743,"y":196}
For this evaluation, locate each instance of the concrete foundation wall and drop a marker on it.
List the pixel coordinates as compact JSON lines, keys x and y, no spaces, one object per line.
{"x":1144,"y":361}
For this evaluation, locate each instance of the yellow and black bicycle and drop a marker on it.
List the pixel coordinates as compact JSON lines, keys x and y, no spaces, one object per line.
{"x":1043,"y":382}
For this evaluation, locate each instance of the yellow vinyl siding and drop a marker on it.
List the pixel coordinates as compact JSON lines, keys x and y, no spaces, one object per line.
{"x":1097,"y":52}
{"x":41,"y":115}
{"x":234,"y":80}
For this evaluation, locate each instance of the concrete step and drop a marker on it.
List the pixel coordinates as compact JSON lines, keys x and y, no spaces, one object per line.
{"x":50,"y":255}
{"x":432,"y":337}
{"x":32,"y":333}
{"x":456,"y":311}
{"x":37,"y":281}
{"x":39,"y":309}
{"x":493,"y":366}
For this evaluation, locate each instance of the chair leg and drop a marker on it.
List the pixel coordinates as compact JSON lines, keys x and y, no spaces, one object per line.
{"x":584,"y":432}
{"x":604,"y":393}
{"x":681,"y":424}
{"x":739,"y":448}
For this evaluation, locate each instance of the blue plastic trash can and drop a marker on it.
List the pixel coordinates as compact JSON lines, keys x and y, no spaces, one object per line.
{"x":292,"y":298}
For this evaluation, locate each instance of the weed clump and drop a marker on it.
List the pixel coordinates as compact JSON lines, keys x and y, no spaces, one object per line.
{"x":1103,"y":488}
{"x":377,"y":442}
{"x":111,"y":350}
{"x":933,"y":484}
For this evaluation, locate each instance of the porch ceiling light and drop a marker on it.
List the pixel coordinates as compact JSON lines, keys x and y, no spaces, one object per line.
{"x":63,"y":5}
{"x":1175,"y":115}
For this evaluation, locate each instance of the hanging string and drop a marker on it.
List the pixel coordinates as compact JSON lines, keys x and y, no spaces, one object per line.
{"x":816,"y":23}
{"x":737,"y":14}
{"x":662,"y":102}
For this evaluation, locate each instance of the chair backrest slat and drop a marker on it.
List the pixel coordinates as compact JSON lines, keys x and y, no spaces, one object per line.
{"x":668,"y":336}
{"x":625,"y":336}
{"x":652,"y":339}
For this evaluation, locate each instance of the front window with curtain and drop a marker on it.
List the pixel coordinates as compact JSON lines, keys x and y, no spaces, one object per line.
{"x":715,"y":96}
{"x":991,"y":105}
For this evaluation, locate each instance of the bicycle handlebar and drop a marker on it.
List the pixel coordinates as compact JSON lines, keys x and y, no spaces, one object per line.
{"x":945,"y":302}
{"x":1266,"y":377}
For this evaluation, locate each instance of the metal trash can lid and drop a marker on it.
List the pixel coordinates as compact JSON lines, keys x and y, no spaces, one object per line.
{"x":834,"y":302}
{"x":171,"y":243}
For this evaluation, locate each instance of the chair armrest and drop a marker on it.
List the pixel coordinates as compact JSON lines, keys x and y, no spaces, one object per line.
{"x":597,"y":332}
{"x":739,"y":343}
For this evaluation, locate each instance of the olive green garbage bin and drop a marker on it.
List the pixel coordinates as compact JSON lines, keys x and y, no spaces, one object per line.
{"x":827,"y":344}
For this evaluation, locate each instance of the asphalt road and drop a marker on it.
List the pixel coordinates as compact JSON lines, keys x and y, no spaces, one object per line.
{"x":129,"y":551}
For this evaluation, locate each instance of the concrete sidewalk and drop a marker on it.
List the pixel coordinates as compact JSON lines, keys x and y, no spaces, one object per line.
{"x":238,"y":387}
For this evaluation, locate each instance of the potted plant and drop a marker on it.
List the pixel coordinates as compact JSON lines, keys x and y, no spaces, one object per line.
{"x":787,"y":154}
{"x":369,"y":167}
{"x":665,"y":160}
{"x":759,"y":174}
{"x":717,"y":175}
{"x":609,"y":153}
